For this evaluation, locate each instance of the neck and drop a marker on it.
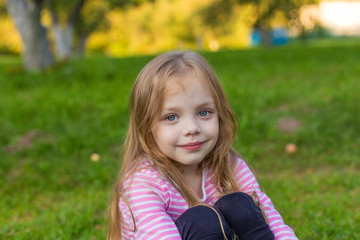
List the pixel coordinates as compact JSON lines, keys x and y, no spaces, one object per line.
{"x":193,"y":177}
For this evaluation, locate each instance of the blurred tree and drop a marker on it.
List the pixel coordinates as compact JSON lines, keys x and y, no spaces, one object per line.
{"x":91,"y":18}
{"x":2,"y":8}
{"x":64,"y":33}
{"x":159,"y":26}
{"x":303,"y":24}
{"x":71,"y":21}
{"x":10,"y":41}
{"x":74,"y":21}
{"x":26,"y":15}
{"x":263,"y":12}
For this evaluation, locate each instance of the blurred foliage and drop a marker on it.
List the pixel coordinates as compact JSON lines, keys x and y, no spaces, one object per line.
{"x":265,"y":14}
{"x":84,"y":14}
{"x":91,"y":14}
{"x":2,"y":8}
{"x":165,"y":25}
{"x":10,"y":42}
{"x":143,"y":27}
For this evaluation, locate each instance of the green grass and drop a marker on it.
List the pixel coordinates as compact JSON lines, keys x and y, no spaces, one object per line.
{"x":51,"y":190}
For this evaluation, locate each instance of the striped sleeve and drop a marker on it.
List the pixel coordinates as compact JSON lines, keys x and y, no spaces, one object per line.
{"x":248,"y":184}
{"x":147,"y":201}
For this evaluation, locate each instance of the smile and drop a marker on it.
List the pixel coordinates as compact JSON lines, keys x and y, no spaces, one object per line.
{"x":192,"y":146}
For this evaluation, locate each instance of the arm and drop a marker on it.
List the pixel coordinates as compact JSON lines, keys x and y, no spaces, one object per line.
{"x":147,"y":201}
{"x":248,"y":184}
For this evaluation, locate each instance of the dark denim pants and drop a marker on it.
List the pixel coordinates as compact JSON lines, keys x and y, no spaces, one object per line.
{"x":234,"y":216}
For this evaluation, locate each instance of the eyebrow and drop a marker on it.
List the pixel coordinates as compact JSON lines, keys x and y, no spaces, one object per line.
{"x":204,"y":104}
{"x":207,"y":103}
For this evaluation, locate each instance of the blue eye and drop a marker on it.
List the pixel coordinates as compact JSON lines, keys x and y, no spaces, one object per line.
{"x":171,"y":118}
{"x":203,"y":113}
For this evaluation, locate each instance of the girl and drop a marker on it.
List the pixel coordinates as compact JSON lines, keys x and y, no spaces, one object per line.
{"x":180,"y":179}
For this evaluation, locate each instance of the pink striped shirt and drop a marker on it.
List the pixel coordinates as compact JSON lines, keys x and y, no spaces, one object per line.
{"x":156,"y":204}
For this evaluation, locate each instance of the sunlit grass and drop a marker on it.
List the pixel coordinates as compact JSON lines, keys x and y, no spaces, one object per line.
{"x":51,"y":123}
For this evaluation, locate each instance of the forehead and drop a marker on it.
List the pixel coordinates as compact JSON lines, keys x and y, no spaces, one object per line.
{"x":178,"y":84}
{"x":190,"y":96}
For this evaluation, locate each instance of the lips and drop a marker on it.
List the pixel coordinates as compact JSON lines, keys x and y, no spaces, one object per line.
{"x":193,"y":146}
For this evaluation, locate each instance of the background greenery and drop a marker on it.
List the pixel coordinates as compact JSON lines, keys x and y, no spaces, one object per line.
{"x":51,"y":122}
{"x":128,"y":27}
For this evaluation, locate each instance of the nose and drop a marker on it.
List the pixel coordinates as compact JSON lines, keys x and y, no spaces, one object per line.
{"x":191,"y":127}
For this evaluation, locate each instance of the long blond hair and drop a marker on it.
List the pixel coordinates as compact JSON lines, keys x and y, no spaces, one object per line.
{"x":147,"y":95}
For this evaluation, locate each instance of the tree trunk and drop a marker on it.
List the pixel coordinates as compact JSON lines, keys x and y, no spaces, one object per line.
{"x":26,"y":15}
{"x":64,"y":36}
{"x":63,"y":40}
{"x":82,"y":44}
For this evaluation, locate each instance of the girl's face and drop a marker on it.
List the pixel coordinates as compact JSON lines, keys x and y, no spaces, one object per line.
{"x":188,"y":127}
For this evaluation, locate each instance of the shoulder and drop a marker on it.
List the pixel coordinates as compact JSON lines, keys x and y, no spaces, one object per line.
{"x":147,"y":182}
{"x":237,"y":163}
{"x":144,"y":187}
{"x":244,"y":175}
{"x":145,"y":176}
{"x":145,"y":197}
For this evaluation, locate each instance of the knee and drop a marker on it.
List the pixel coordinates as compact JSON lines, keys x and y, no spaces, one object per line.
{"x":200,"y":222}
{"x":199,"y":217}
{"x":244,"y":216}
{"x":239,"y":205}
{"x":236,"y":199}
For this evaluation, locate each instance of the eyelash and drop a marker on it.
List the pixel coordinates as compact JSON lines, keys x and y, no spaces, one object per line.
{"x":204,"y":110}
{"x":170,"y":115}
{"x":167,"y":117}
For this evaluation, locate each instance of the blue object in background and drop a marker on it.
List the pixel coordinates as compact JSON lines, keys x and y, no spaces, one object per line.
{"x":256,"y":38}
{"x":279,"y":36}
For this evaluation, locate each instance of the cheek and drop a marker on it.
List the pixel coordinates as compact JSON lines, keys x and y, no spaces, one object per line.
{"x":213,"y":128}
{"x":165,"y":135}
{"x":171,"y":135}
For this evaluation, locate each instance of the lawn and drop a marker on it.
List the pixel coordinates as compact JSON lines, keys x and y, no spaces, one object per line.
{"x":52,"y":122}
